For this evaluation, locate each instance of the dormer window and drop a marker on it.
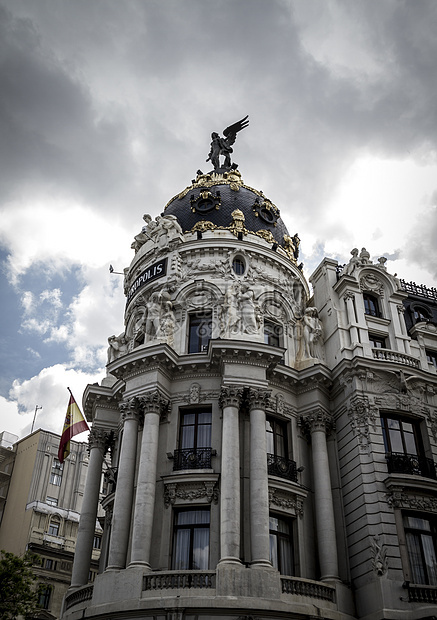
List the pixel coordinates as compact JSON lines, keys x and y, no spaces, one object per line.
{"x":371,"y":305}
{"x":421,"y":314}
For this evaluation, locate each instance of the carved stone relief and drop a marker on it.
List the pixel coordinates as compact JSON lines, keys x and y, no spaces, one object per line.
{"x":288,"y":502}
{"x":379,"y":557}
{"x":362,"y":417}
{"x":190,"y":492}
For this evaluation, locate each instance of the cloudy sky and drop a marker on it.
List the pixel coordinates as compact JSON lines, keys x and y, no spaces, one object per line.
{"x":106,"y":111}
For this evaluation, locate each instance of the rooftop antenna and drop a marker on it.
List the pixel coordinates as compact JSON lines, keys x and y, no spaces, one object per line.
{"x":34,"y":417}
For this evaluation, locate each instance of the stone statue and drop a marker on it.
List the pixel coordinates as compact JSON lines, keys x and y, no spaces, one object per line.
{"x":153,"y":316}
{"x":167,"y":324}
{"x":229,"y":317}
{"x":117,"y":347}
{"x":312,"y":333}
{"x":352,"y":264}
{"x":246,"y":303}
{"x":223,"y":146}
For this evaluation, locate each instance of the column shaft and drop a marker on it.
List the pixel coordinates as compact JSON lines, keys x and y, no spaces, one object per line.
{"x":230,"y":486}
{"x":88,"y":516}
{"x":259,"y":489}
{"x":123,"y":495}
{"x":146,"y":488}
{"x":325,"y":520}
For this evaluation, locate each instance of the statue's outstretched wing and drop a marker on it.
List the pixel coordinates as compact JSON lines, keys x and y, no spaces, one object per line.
{"x":230,"y":133}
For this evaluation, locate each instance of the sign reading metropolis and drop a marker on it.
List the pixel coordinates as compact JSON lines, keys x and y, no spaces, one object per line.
{"x":155,"y":271}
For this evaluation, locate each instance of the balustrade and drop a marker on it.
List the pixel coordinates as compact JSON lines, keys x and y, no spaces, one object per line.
{"x":412,"y":464}
{"x":301,"y":587}
{"x":282,"y":467}
{"x":388,"y":355}
{"x":179,"y":580}
{"x":192,"y":458}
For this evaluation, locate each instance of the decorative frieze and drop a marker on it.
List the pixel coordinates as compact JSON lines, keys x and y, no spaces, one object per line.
{"x":362,"y":417}
{"x":378,"y":556}
{"x":397,"y":499}
{"x":190,"y":492}
{"x":369,"y":282}
{"x":286,"y":501}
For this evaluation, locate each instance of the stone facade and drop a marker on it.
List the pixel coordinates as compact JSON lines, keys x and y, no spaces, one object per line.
{"x":272,"y":452}
{"x":40,"y":505}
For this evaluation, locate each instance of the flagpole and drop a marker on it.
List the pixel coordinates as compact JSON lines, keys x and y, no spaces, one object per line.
{"x":34,"y":417}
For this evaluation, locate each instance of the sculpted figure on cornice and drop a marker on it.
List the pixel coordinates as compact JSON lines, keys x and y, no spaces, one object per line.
{"x":352,"y":265}
{"x":117,"y":347}
{"x":310,"y":335}
{"x":240,"y":314}
{"x":162,"y":231}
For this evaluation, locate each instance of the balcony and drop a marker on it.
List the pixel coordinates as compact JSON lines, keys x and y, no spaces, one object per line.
{"x":179,"y":580}
{"x":387,"y":355}
{"x":282,"y":467}
{"x":307,"y":587}
{"x":411,"y":464}
{"x":192,"y":458}
{"x":421,"y":593}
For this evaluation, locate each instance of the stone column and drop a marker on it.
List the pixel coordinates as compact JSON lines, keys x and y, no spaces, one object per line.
{"x":98,"y":443}
{"x":152,"y":404}
{"x":125,"y":486}
{"x":349,"y":298}
{"x":319,"y":423}
{"x":230,"y":399}
{"x":259,"y":487}
{"x":403,"y":328}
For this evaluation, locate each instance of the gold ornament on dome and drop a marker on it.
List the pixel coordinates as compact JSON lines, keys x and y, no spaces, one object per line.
{"x":291,"y":247}
{"x":237,"y":227}
{"x":203,"y":226}
{"x":266,"y":235}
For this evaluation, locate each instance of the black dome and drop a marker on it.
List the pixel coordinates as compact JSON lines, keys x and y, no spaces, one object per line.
{"x":212,"y":199}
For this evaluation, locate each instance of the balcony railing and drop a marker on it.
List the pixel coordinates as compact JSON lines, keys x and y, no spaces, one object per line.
{"x":282,"y":467}
{"x":421,"y":593}
{"x":312,"y":589}
{"x":394,"y":356}
{"x":176,"y":580}
{"x":192,"y":458}
{"x":419,"y":289}
{"x":401,"y":463}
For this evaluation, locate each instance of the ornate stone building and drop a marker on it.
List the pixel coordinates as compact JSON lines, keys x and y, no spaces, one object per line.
{"x":272,"y":449}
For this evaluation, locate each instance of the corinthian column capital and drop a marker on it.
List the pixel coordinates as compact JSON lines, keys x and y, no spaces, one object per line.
{"x":153,"y":402}
{"x":258,"y":398}
{"x":99,"y":438}
{"x":230,"y":396}
{"x":317,"y":420}
{"x":130,"y":409}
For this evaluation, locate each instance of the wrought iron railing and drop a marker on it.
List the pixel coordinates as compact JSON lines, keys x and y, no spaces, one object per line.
{"x":394,"y":356}
{"x":79,"y":596}
{"x":419,"y":289}
{"x":179,"y":580}
{"x":280,"y":466}
{"x":192,"y":458}
{"x":303,"y":587}
{"x":401,"y":463}
{"x":421,"y":593}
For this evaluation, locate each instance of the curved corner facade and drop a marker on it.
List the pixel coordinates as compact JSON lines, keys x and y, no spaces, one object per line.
{"x":256,"y":434}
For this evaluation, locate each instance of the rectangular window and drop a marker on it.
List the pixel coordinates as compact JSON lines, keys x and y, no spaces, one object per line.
{"x":54,"y":529}
{"x":431,"y":356}
{"x":194,"y":440}
{"x":191,"y":540}
{"x":97,"y":542}
{"x":281,"y":545}
{"x":371,"y":305}
{"x":199,"y":332}
{"x":44,"y":593}
{"x":377,"y":342}
{"x":278,"y":463}
{"x":272,"y":333}
{"x":421,"y":537}
{"x":49,"y":564}
{"x":56,"y":473}
{"x":51,"y":501}
{"x":404,"y":447}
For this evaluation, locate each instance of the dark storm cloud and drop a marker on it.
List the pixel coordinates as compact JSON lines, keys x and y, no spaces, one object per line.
{"x":51,"y":133}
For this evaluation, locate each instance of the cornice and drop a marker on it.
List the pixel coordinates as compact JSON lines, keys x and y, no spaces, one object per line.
{"x":107,"y":397}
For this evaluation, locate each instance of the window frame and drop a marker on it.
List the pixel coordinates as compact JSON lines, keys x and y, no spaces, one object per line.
{"x":189,"y":454}
{"x":44,"y":596}
{"x":56,"y":526}
{"x":377,"y":341}
{"x":277,"y":336}
{"x":277,"y":536}
{"x":419,"y":533}
{"x":431,"y":357}
{"x":201,"y":342}
{"x":402,"y":420}
{"x":372,"y":305}
{"x":191,"y":527}
{"x":56,"y":473}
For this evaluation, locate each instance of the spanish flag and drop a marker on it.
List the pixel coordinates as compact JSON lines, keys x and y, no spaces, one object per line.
{"x":74,"y":424}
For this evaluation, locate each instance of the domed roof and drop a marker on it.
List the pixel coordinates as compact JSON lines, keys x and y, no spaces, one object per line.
{"x":213,"y":201}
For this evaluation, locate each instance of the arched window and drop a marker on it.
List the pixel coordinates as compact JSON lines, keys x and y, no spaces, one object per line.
{"x":421,"y":314}
{"x":371,"y":305}
{"x":238,"y":265}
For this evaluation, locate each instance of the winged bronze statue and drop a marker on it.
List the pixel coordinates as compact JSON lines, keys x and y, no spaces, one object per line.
{"x":223,"y":146}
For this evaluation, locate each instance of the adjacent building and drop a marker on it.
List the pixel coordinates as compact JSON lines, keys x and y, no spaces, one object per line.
{"x":40,"y":502}
{"x":272,"y":450}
